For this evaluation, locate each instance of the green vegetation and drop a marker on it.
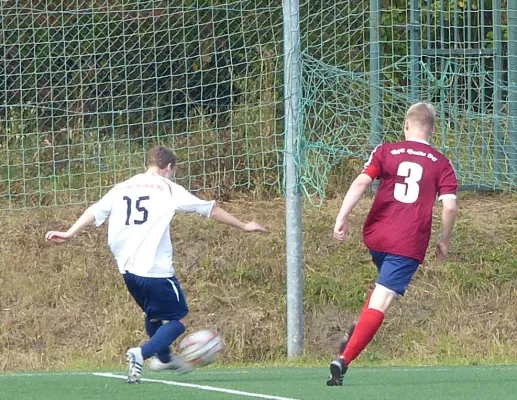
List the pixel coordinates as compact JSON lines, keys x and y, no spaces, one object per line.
{"x":65,"y":306}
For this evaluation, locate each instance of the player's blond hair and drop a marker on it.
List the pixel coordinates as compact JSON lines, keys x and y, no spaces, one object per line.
{"x":423,"y":115}
{"x":160,"y":157}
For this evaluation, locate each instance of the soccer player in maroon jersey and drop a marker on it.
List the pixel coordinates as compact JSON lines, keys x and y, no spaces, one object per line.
{"x":398,"y":228}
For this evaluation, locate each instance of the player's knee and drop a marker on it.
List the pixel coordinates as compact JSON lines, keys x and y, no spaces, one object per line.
{"x":381,"y":298}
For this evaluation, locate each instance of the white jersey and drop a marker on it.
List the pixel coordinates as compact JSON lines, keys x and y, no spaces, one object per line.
{"x":140,"y":211}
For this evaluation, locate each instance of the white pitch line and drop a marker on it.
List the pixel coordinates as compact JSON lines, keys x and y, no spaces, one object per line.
{"x":201,"y":387}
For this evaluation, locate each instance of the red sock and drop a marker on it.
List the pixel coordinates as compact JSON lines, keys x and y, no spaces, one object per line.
{"x":369,"y":323}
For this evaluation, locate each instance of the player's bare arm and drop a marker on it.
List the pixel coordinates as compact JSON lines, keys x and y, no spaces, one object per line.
{"x":59,"y":237}
{"x":224,"y":217}
{"x":449,"y":212}
{"x":352,"y":197}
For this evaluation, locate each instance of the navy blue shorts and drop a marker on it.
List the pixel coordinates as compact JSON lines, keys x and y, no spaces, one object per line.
{"x":160,"y":298}
{"x":395,"y":272}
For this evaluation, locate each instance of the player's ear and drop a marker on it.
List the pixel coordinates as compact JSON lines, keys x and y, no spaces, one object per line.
{"x":170,"y":167}
{"x":406,"y":125}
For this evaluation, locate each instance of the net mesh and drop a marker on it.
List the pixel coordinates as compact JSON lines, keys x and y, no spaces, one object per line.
{"x":459,"y":66}
{"x":87,"y":87}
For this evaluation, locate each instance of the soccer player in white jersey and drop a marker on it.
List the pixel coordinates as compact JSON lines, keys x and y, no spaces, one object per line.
{"x":140,"y":211}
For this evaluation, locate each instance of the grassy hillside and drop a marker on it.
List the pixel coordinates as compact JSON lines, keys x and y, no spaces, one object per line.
{"x":65,"y":306}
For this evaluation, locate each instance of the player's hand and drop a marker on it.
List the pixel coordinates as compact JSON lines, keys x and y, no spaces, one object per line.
{"x":254,"y":227}
{"x":341,"y":231}
{"x":442,"y":250}
{"x":57,"y":237}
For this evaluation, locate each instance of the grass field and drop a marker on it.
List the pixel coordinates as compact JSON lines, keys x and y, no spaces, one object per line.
{"x":301,"y":383}
{"x":71,"y":310}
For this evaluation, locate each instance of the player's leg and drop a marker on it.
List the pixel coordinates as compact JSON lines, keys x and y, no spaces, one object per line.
{"x":166,"y":303}
{"x":351,"y":329}
{"x":151,"y":326}
{"x":362,"y":333}
{"x":377,"y":258}
{"x":162,"y":300}
{"x":163,"y":338}
{"x":163,"y":360}
{"x":338,"y":367}
{"x":136,"y":287}
{"x":369,"y":322}
{"x":395,"y":273}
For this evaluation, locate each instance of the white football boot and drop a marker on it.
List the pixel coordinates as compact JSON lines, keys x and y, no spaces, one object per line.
{"x":136,"y":363}
{"x":177,"y":364}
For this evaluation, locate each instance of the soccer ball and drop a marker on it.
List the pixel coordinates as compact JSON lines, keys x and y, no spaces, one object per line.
{"x":201,"y":348}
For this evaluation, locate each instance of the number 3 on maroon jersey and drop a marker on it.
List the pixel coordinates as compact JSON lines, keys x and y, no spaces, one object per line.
{"x":408,"y":191}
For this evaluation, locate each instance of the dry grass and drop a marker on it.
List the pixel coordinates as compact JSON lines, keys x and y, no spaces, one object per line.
{"x":66,"y":306}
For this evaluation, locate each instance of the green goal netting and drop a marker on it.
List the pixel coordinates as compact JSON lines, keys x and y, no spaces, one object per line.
{"x":460,"y":56}
{"x":86,"y":87}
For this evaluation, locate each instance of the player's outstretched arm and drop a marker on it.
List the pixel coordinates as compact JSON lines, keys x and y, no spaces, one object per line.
{"x":449,"y":212}
{"x":59,"y":237}
{"x":352,"y":197}
{"x":224,"y":217}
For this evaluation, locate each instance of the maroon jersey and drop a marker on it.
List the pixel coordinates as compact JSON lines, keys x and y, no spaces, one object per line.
{"x":413,"y":175}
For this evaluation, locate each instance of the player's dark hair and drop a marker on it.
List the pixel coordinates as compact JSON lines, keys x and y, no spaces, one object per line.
{"x":422,"y":114}
{"x":160,"y":157}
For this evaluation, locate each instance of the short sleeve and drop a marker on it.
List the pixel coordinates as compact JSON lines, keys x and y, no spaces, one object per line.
{"x":373,"y":167}
{"x":187,"y":202}
{"x":447,"y":183}
{"x":102,"y":209}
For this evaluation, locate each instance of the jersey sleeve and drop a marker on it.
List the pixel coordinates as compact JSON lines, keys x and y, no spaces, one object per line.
{"x":102,"y":209}
{"x":447,"y":183}
{"x":373,"y":167}
{"x":187,"y":202}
